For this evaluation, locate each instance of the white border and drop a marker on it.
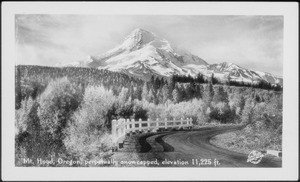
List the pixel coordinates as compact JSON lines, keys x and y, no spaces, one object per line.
{"x":289,"y":171}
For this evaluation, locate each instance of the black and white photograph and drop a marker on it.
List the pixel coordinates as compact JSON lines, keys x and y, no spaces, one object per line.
{"x":106,"y":91}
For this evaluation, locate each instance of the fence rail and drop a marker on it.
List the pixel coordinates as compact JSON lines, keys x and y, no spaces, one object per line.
{"x":121,"y":127}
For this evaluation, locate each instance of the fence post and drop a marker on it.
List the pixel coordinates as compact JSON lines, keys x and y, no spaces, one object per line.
{"x":181,"y":122}
{"x":148,"y":123}
{"x":114,"y":130}
{"x":125,"y":126}
{"x":190,"y":123}
{"x":133,"y":126}
{"x":131,"y":123}
{"x":140,"y":124}
{"x":166,"y":123}
{"x":156,"y":126}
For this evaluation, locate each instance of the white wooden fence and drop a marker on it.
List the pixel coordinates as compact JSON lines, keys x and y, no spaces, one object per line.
{"x":121,"y":127}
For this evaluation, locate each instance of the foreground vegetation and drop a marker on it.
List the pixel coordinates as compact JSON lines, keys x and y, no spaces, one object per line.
{"x":263,"y":132}
{"x":245,"y":141}
{"x":67,"y":112}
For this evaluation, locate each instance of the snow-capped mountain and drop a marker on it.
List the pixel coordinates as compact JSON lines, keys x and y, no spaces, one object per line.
{"x":144,"y":54}
{"x":225,"y":71}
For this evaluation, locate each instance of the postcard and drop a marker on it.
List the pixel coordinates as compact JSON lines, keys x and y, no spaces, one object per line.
{"x":149,"y":91}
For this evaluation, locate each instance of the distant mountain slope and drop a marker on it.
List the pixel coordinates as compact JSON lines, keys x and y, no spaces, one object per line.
{"x":234,"y":72}
{"x":143,"y":54}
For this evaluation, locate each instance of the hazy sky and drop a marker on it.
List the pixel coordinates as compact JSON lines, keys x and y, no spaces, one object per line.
{"x":254,"y":42}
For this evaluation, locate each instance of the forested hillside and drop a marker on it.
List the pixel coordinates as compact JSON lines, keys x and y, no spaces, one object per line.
{"x":67,"y":112}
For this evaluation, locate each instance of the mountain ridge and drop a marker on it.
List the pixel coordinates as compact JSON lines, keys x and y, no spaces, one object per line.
{"x":143,"y":54}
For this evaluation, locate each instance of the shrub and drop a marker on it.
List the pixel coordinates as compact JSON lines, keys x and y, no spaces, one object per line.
{"x":139,"y":111}
{"x":87,"y":134}
{"x":124,"y":110}
{"x":29,"y":140}
{"x":247,"y":114}
{"x":57,"y":103}
{"x":22,"y":114}
{"x":154,"y":111}
{"x":222,"y":112}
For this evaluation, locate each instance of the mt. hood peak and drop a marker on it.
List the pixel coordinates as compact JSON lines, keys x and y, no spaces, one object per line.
{"x":144,"y":54}
{"x":138,"y":38}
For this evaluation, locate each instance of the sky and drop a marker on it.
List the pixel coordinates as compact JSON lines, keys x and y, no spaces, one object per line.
{"x":253,"y":42}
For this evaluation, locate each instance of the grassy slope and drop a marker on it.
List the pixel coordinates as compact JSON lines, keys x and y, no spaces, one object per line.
{"x":241,"y":141}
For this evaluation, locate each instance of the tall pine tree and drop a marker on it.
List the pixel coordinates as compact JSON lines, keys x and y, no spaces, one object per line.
{"x":220,"y":95}
{"x":176,"y":95}
{"x":145,"y":92}
{"x":151,"y":96}
{"x":138,"y":93}
{"x":18,"y":90}
{"x":208,"y":93}
{"x":171,"y":85}
{"x":165,"y":93}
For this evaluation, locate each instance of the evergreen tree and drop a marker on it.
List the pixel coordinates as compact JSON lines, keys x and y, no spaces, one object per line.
{"x":38,"y":144}
{"x":131,"y":92}
{"x":145,"y":91}
{"x":176,"y":95}
{"x":162,"y":83}
{"x":18,"y":90}
{"x":213,"y":80}
{"x":138,"y":93}
{"x":222,"y":112}
{"x":190,"y":91}
{"x":220,"y":95}
{"x":208,"y":93}
{"x":182,"y":92}
{"x":165,"y":93}
{"x":200,"y":90}
{"x":151,"y":96}
{"x":125,"y":110}
{"x":152,"y":81}
{"x":171,"y":85}
{"x":159,"y":97}
{"x":124,"y":95}
{"x":241,"y":100}
{"x":156,"y":85}
{"x":199,"y":78}
{"x":139,"y":112}
{"x":227,"y":80}
{"x":248,"y":112}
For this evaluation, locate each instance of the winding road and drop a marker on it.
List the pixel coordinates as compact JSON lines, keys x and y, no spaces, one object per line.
{"x":193,"y":149}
